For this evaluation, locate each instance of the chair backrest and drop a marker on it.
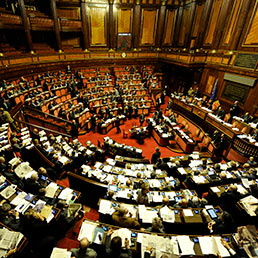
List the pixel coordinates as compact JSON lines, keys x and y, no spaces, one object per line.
{"x":201,"y":135}
{"x":197,"y":131}
{"x":206,"y":140}
{"x":244,"y":130}
{"x":227,"y":117}
{"x":234,"y":125}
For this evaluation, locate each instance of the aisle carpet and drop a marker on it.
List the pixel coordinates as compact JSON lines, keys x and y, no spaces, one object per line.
{"x":148,"y":147}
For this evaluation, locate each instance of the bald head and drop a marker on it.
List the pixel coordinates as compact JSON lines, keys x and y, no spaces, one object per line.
{"x":184,"y":202}
{"x":84,"y":243}
{"x":165,"y":201}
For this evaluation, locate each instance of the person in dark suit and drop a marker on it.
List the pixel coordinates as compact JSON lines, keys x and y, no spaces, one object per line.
{"x":121,"y":219}
{"x":114,"y":247}
{"x":247,"y":118}
{"x":32,"y":185}
{"x":222,"y":225}
{"x":117,"y":123}
{"x":229,"y":198}
{"x":220,"y":113}
{"x":83,"y":251}
{"x":142,"y":118}
{"x":74,"y":129}
{"x":93,"y":123}
{"x":155,"y":156}
{"x":235,"y":110}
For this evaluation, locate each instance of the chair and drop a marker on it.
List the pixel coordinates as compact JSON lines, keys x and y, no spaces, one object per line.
{"x":186,"y":128}
{"x":173,"y":142}
{"x":125,"y":134}
{"x":204,"y":144}
{"x":244,"y":129}
{"x":196,"y":133}
{"x":199,"y":138}
{"x":235,"y":124}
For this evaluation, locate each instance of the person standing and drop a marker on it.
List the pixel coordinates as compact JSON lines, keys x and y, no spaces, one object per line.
{"x":155,"y":156}
{"x":117,"y":122}
{"x":93,"y":123}
{"x":142,"y":118}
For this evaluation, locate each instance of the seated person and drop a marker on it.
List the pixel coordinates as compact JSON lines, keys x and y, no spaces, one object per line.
{"x":182,"y":204}
{"x":156,"y":226}
{"x":121,"y":219}
{"x":83,"y":251}
{"x":114,"y":247}
{"x":252,"y":162}
{"x":142,"y":195}
{"x":222,"y":225}
{"x":247,"y":118}
{"x":32,"y":184}
{"x":110,"y":195}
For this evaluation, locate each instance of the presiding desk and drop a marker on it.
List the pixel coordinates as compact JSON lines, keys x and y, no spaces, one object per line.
{"x":206,"y":120}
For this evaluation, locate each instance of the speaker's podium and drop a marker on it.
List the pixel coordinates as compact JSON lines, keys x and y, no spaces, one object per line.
{"x":124,"y":41}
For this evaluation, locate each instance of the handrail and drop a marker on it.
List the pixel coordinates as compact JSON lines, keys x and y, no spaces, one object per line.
{"x":47,"y":114}
{"x":42,"y":128}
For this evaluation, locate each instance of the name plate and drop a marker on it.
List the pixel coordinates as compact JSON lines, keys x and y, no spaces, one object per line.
{"x":246,"y":60}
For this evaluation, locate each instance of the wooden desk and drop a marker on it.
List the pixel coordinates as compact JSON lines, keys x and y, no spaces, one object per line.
{"x":159,"y":139}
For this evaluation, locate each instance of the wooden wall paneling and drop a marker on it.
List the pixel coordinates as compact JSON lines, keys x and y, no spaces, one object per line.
{"x":230,"y":31}
{"x":249,"y":39}
{"x":204,"y":23}
{"x":70,"y":39}
{"x":161,"y":22}
{"x":69,"y":13}
{"x":25,"y":24}
{"x":148,"y":26}
{"x":56,"y":24}
{"x":169,"y":27}
{"x":222,"y":19}
{"x":111,"y":25}
{"x":196,"y":24}
{"x":98,"y":25}
{"x":213,"y":21}
{"x":136,"y":24}
{"x":190,"y":24}
{"x":241,"y":25}
{"x":85,"y":26}
{"x":124,"y":20}
{"x":179,"y":17}
{"x":183,"y":27}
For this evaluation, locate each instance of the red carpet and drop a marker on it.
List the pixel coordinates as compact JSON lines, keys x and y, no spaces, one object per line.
{"x":70,"y":239}
{"x":148,"y":147}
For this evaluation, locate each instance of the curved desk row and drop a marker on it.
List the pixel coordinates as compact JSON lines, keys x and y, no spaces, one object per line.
{"x":201,"y":117}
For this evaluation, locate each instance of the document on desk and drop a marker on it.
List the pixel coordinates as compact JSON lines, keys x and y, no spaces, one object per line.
{"x":147,"y":215}
{"x":186,"y":245}
{"x":51,"y":190}
{"x":60,"y":253}
{"x":9,"y":239}
{"x":188,"y":212}
{"x":87,"y":230}
{"x":250,"y":204}
{"x":66,"y":194}
{"x":215,"y":189}
{"x":167,"y":214}
{"x":22,"y":169}
{"x":199,"y":179}
{"x":46,"y":210}
{"x":212,"y":245}
{"x":181,"y":171}
{"x":124,"y":233}
{"x":105,"y":207}
{"x":16,"y":201}
{"x":8,"y":191}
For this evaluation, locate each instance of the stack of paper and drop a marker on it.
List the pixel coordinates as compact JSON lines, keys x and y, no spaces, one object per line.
{"x":167,"y":214}
{"x":60,"y":253}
